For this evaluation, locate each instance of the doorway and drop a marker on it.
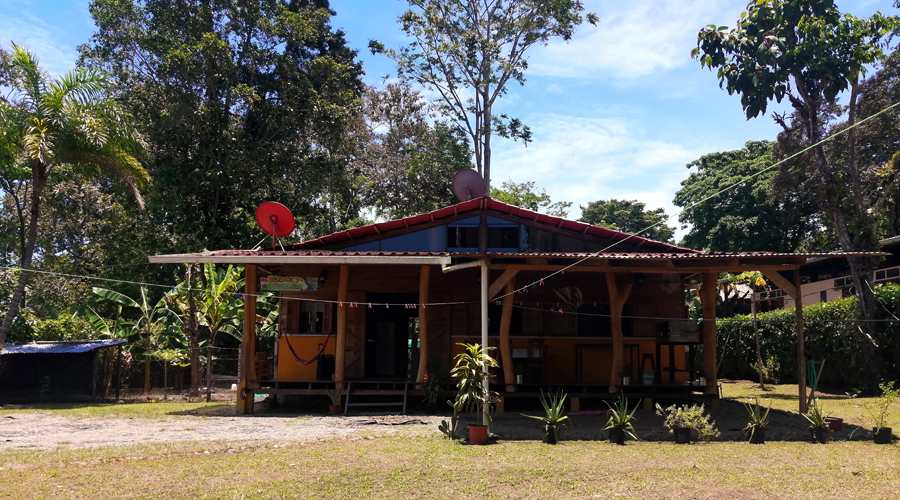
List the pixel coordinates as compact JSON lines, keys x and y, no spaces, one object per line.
{"x":392,"y":337}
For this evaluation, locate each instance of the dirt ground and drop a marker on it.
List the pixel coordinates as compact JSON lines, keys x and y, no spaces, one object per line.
{"x":48,"y":430}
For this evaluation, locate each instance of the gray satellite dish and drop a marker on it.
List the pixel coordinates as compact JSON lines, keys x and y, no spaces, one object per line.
{"x":468,"y":184}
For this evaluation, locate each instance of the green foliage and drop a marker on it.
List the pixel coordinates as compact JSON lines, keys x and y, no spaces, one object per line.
{"x":554,"y":413}
{"x":748,"y":217}
{"x":688,"y":417}
{"x":407,"y":162}
{"x":620,"y":417}
{"x":879,"y":409}
{"x":463,"y":47}
{"x":432,"y":390}
{"x":524,"y":195}
{"x":830,"y":333}
{"x":816,"y":416}
{"x":472,"y":371}
{"x":242,"y":102}
{"x":756,"y":417}
{"x":629,"y":216}
{"x":57,"y":125}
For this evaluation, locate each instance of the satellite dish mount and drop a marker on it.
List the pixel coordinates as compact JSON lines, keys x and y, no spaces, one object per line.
{"x":275,"y":220}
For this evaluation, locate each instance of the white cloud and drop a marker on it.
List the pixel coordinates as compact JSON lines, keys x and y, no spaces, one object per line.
{"x":581,"y":159}
{"x":633,"y":39}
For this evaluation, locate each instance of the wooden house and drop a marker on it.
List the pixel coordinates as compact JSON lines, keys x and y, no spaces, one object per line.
{"x":566,"y":304}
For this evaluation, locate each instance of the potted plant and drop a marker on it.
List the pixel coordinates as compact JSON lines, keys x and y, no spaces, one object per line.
{"x":818,"y":423}
{"x":879,"y":412}
{"x":757,"y":420}
{"x":554,"y":416}
{"x":682,"y":420}
{"x":472,"y":371}
{"x":620,"y":421}
{"x":335,"y":396}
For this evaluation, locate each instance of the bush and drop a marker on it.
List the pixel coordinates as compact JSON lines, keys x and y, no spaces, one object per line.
{"x":837,"y":342}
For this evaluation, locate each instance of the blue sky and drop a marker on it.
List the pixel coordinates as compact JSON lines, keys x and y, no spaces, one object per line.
{"x":615,"y":113}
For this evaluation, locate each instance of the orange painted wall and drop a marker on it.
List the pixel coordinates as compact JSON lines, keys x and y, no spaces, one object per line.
{"x":289,"y":370}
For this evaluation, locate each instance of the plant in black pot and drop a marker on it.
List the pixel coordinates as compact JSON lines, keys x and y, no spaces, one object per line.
{"x":682,"y":421}
{"x":818,"y":423}
{"x":620,"y":421}
{"x":554,"y":415}
{"x":472,"y":371}
{"x":879,"y":409}
{"x":757,"y":420}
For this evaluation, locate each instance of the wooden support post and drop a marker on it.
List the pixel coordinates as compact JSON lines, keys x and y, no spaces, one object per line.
{"x":424,"y":278}
{"x":801,"y":354}
{"x":340,"y":347}
{"x":500,"y":405}
{"x":506,"y":359}
{"x":648,"y":404}
{"x":247,"y":369}
{"x":617,"y":297}
{"x":574,"y":404}
{"x":708,"y":293}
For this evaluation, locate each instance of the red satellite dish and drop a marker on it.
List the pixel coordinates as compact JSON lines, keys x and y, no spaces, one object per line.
{"x":275,"y":219}
{"x":468,"y":184}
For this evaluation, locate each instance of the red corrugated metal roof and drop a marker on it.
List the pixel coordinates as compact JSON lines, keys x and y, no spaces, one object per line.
{"x":560,"y":255}
{"x":488,"y":204}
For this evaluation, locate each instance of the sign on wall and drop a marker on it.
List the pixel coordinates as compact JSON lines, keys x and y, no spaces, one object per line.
{"x":275,"y":283}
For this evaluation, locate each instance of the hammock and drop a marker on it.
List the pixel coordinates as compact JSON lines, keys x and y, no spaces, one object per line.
{"x":302,"y":361}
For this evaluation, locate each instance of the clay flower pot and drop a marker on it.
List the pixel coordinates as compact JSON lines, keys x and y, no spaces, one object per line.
{"x":478,"y":434}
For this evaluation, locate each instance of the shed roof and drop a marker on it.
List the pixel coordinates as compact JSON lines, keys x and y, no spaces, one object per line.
{"x":67,"y":347}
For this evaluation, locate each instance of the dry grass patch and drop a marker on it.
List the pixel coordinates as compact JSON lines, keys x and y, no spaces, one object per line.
{"x":392,"y":467}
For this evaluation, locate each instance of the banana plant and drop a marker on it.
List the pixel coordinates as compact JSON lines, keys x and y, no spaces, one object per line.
{"x":154,"y":323}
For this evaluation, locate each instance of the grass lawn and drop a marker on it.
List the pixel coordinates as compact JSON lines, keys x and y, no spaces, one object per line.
{"x":396,"y":467}
{"x":413,"y":465}
{"x":786,"y":397}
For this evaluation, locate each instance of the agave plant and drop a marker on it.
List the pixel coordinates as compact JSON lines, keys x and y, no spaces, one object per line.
{"x":757,"y":420}
{"x":554,"y":415}
{"x":620,"y":421}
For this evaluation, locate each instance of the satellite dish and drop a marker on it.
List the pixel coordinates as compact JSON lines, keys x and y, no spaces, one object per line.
{"x":468,"y":184}
{"x":275,"y":220}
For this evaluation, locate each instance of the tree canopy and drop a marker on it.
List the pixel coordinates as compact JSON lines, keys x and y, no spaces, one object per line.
{"x":523,"y":194}
{"x":630,"y":216}
{"x":747,"y":217}
{"x":65,"y":126}
{"x":471,"y":46}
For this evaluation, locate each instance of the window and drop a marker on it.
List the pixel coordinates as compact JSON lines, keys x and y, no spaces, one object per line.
{"x":315,"y":317}
{"x":498,"y":237}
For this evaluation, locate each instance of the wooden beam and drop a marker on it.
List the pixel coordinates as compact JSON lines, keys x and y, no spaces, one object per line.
{"x":506,"y":359}
{"x":201,"y":258}
{"x":504,"y":278}
{"x":247,"y":376}
{"x":784,"y":284}
{"x":424,"y":280}
{"x":801,"y":354}
{"x":708,"y":293}
{"x":340,"y":347}
{"x":618,"y":295}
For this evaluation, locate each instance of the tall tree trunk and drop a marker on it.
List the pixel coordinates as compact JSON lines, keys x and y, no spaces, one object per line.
{"x":192,"y":336}
{"x":39,"y":180}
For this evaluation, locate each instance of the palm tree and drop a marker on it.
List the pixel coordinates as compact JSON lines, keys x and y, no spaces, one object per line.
{"x":69,"y":120}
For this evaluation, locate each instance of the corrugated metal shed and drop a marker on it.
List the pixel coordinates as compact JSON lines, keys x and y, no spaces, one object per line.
{"x":69,"y":347}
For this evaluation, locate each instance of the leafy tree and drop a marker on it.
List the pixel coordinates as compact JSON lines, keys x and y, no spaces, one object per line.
{"x":407,"y":162}
{"x":747,"y":217}
{"x":809,"y":52}
{"x":523,"y":195}
{"x":473,"y":47}
{"x":67,"y":121}
{"x":629,"y":216}
{"x":243,"y":101}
